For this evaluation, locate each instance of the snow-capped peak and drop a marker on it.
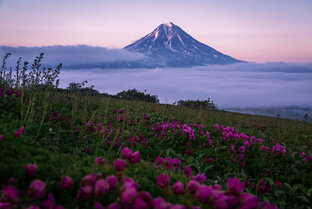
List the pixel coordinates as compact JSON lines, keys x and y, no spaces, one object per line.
{"x":169,"y":24}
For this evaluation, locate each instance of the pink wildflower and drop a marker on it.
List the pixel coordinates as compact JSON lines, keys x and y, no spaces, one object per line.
{"x":5,"y":205}
{"x":114,"y":205}
{"x":99,"y":161}
{"x":9,"y":194}
{"x":135,"y":158}
{"x":85,"y":193}
{"x":140,"y":204}
{"x":193,"y":187}
{"x":31,"y":169}
{"x":66,"y":183}
{"x":278,"y":183}
{"x":163,"y":181}
{"x":98,"y":205}
{"x":178,"y":187}
{"x":112,"y":181}
{"x":126,"y":153}
{"x":49,"y":203}
{"x":101,"y":187}
{"x":128,"y":196}
{"x":88,"y":180}
{"x":200,"y":178}
{"x":147,"y":197}
{"x":204,"y":194}
{"x":37,"y":189}
{"x":188,"y":171}
{"x":234,"y":186}
{"x":12,"y":180}
{"x":128,"y":183}
{"x":119,"y":165}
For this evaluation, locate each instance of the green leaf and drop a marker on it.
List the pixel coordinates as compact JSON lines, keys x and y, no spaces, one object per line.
{"x":303,"y":198}
{"x":269,"y":180}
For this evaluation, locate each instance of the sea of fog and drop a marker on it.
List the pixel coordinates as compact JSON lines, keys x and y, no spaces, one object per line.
{"x":267,"y":89}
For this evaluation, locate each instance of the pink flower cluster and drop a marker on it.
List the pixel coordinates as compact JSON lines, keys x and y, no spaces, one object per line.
{"x":132,"y":158}
{"x":169,"y":163}
{"x":19,"y":132}
{"x":214,"y":195}
{"x":92,"y":185}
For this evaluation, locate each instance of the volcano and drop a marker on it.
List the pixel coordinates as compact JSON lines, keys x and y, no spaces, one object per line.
{"x":169,"y":45}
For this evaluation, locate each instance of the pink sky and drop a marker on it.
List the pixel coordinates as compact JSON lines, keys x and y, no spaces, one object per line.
{"x":260,"y":31}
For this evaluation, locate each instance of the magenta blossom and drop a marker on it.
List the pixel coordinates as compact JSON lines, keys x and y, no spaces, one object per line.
{"x":66,"y":183}
{"x":101,"y":187}
{"x":85,"y":193}
{"x":147,"y":197}
{"x":126,"y":153}
{"x":178,"y":187}
{"x":135,"y":158}
{"x":9,"y":194}
{"x":49,"y":203}
{"x":113,"y":206}
{"x":128,"y":183}
{"x":163,"y":181}
{"x":19,"y":132}
{"x":249,"y":201}
{"x":128,"y":196}
{"x":12,"y":180}
{"x":98,"y":176}
{"x":5,"y":205}
{"x":99,"y":161}
{"x":188,"y":171}
{"x":204,"y":194}
{"x":112,"y":181}
{"x":278,"y":183}
{"x":193,"y":187}
{"x":234,"y":186}
{"x":98,"y":205}
{"x":200,"y":178}
{"x":36,"y":189}
{"x":140,"y":204}
{"x":30,"y":169}
{"x":88,"y":180}
{"x":119,"y":165}
{"x":178,"y":207}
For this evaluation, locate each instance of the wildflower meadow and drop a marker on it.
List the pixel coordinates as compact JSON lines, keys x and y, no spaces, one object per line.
{"x":61,"y":149}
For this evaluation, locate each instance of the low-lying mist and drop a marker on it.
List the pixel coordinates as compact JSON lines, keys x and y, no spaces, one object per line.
{"x":239,"y":85}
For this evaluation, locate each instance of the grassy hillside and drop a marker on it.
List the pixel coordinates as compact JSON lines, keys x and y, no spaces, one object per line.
{"x":177,"y":158}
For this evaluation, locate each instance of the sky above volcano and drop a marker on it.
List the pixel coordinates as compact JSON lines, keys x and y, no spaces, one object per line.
{"x":259,"y":31}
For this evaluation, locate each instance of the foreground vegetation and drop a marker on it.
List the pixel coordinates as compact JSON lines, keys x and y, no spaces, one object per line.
{"x":64,"y":149}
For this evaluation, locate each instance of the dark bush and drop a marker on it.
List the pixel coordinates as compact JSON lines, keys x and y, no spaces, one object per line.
{"x":133,"y":94}
{"x":199,"y":104}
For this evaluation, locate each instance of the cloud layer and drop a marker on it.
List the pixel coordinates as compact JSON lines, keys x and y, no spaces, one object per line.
{"x":230,"y":86}
{"x":69,"y":55}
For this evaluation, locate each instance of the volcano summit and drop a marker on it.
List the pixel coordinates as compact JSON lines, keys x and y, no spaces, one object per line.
{"x":169,"y":45}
